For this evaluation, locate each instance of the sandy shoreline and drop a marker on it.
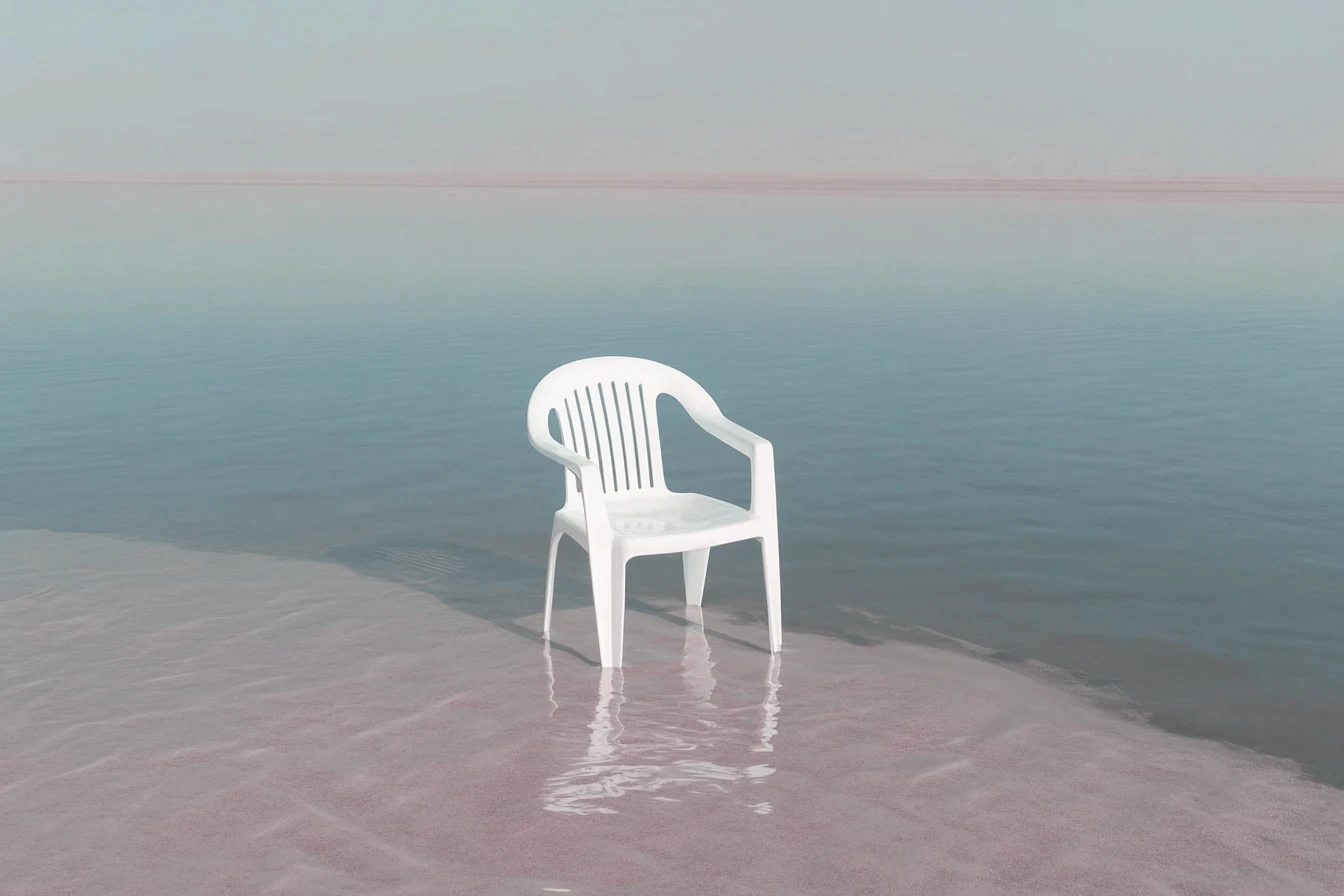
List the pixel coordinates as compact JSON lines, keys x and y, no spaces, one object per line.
{"x":183,"y":722}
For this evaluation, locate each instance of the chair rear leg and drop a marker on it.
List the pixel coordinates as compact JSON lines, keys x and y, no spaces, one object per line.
{"x":694,"y":564}
{"x":556,"y":535}
{"x":770,"y":561}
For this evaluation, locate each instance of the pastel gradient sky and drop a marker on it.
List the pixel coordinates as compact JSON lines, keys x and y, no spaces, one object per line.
{"x":958,"y":87}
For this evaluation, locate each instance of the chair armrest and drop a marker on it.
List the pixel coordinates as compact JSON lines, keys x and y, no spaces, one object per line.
{"x":590,"y":480}
{"x":733,"y":435}
{"x":576,"y":463}
{"x":758,"y":449}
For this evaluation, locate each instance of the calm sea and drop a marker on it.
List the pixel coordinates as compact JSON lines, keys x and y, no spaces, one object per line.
{"x":1109,"y":437}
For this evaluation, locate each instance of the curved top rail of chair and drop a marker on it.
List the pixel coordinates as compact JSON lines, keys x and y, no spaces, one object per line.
{"x":660,"y":378}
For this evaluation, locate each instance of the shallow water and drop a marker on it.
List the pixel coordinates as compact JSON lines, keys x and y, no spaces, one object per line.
{"x":182,"y":722}
{"x":1102,"y":437}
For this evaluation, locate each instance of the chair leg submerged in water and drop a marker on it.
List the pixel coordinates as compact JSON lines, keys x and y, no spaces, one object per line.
{"x":609,"y":594}
{"x":617,"y":505}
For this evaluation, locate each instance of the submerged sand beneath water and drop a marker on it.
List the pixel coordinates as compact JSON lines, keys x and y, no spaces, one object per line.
{"x":177,"y":722}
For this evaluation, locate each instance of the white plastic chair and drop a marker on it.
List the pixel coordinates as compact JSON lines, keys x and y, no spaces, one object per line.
{"x":617,"y":506}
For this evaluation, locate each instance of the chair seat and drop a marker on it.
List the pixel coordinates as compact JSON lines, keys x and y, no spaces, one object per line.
{"x":646,"y":518}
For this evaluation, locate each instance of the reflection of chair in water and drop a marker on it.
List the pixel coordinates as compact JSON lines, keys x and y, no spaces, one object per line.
{"x":696,"y":667}
{"x":654,"y":759}
{"x":550,"y":677}
{"x":770,"y":709}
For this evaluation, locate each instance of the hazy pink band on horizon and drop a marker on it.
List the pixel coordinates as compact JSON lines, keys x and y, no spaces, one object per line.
{"x":1319,"y":190}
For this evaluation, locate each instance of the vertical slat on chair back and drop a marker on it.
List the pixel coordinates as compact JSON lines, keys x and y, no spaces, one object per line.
{"x":613,"y":422}
{"x":607,"y":409}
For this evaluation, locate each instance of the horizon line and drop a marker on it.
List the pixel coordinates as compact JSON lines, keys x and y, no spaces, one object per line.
{"x":1242,"y":188}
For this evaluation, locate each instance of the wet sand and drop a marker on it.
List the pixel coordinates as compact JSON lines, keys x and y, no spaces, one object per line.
{"x":182,"y":722}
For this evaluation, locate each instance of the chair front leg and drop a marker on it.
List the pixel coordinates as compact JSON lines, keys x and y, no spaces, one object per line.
{"x":608,"y":572}
{"x":770,"y":562}
{"x":617,"y":608}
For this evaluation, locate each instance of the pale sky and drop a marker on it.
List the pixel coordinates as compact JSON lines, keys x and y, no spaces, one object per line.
{"x":954,"y":87}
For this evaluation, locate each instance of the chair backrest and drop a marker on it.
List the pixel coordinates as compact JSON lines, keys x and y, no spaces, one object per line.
{"x":607,"y":409}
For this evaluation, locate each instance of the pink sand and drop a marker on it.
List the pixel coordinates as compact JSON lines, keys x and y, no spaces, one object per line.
{"x":177,"y":722}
